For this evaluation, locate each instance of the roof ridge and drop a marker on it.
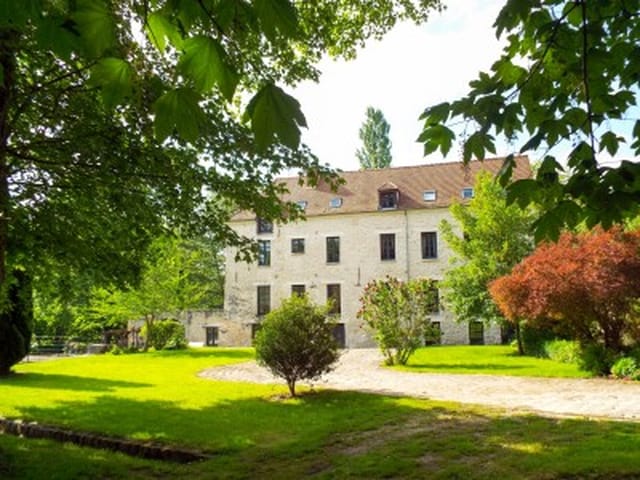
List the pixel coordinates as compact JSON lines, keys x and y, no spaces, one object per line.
{"x":405,"y":167}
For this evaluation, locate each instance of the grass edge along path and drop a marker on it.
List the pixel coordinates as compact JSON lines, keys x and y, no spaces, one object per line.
{"x":487,"y":360}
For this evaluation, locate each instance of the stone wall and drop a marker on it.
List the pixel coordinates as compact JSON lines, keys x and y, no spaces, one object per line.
{"x":359,"y":263}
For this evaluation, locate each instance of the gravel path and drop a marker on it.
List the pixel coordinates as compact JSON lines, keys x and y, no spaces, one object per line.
{"x":360,"y":370}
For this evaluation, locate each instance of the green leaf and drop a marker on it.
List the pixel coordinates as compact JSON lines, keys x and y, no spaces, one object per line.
{"x":229,"y":12}
{"x":277,"y":16}
{"x":437,"y":136}
{"x":114,"y":76}
{"x":159,"y":28}
{"x":178,"y":110}
{"x":275,"y":113}
{"x":476,"y":145}
{"x":522,"y":192}
{"x":51,"y":34}
{"x":636,"y":137}
{"x":548,"y":226}
{"x":17,"y":13}
{"x":506,"y":171}
{"x":204,"y":61}
{"x":96,"y":26}
{"x":533,"y":142}
{"x":436,"y":114}
{"x":611,"y":142}
{"x":511,"y":74}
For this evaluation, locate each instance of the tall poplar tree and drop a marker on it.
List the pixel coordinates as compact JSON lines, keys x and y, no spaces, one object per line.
{"x":376,"y":146}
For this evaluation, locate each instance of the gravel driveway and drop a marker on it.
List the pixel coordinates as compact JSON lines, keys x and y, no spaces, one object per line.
{"x":359,"y":369}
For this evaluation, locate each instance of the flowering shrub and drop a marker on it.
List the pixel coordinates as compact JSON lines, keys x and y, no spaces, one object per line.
{"x":397,"y":315}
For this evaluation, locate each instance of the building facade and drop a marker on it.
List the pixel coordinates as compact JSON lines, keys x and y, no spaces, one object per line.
{"x":380,"y":222}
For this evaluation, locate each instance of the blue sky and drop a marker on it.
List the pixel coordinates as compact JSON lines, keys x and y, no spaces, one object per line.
{"x":411,"y":68}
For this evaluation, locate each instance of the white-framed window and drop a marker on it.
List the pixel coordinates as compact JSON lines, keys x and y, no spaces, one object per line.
{"x":467,"y":192}
{"x":429,"y":195}
{"x":335,"y":202}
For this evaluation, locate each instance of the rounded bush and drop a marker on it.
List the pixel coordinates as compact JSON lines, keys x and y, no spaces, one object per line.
{"x":296,"y":341}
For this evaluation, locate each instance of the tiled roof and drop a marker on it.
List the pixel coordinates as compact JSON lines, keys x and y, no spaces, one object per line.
{"x":360,"y":193}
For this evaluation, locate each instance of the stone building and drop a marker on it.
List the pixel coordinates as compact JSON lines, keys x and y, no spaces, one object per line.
{"x":380,"y":222}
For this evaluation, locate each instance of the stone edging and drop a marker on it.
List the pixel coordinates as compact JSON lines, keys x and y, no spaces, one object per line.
{"x":85,"y":439}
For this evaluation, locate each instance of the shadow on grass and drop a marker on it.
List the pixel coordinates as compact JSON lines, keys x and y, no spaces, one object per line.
{"x":344,"y":434}
{"x":477,"y":367}
{"x":207,"y":352}
{"x":66,"y":382}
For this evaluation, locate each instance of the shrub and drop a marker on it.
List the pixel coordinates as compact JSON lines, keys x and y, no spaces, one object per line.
{"x":168,"y":334}
{"x":16,"y":323}
{"x":625,"y":367}
{"x":397,"y":315}
{"x":565,"y":351}
{"x":534,"y":340}
{"x":596,"y":359}
{"x":296,"y":342}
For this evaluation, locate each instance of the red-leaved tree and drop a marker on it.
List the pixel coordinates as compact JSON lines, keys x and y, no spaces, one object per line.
{"x":585,"y":285}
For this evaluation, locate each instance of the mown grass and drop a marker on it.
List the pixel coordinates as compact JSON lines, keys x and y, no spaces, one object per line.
{"x":488,"y":360}
{"x":253,"y":433}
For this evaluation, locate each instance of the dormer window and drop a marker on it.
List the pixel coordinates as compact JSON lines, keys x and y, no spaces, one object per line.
{"x":263,"y":225}
{"x":467,"y":193}
{"x":335,"y":202}
{"x":389,"y":200}
{"x":388,"y":196}
{"x":302,"y":204}
{"x":429,"y":195}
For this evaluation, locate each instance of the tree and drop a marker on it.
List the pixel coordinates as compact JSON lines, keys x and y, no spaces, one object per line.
{"x":376,"y":146}
{"x":177,"y":275}
{"x":494,"y":238}
{"x":17,"y":323}
{"x":397,"y":315}
{"x":567,"y":77}
{"x":586,"y":285}
{"x":118,"y":119}
{"x":296,"y":341}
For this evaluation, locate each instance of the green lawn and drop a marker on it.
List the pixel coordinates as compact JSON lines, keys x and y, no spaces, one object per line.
{"x":252,"y":433}
{"x":488,"y":360}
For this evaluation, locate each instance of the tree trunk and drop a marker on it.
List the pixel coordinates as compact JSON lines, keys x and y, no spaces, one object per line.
{"x":8,"y":39}
{"x":291,"y":383}
{"x":519,"y":338}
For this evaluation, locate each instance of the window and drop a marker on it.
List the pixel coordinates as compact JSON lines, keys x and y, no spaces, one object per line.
{"x":302,"y":204}
{"x":264,"y":253}
{"x":339,"y":335}
{"x":335,"y":202}
{"x":429,"y":245}
{"x":333,"y":249}
{"x":435,"y":305}
{"x":298,"y":290}
{"x":333,"y":296}
{"x":429,"y":196}
{"x":297,"y":245}
{"x":389,"y":200}
{"x":211,"y":336}
{"x":264,"y":226}
{"x":264,"y":299}
{"x":476,"y":333}
{"x":467,"y":192}
{"x":387,"y":246}
{"x":433,"y":335}
{"x":255,"y":328}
